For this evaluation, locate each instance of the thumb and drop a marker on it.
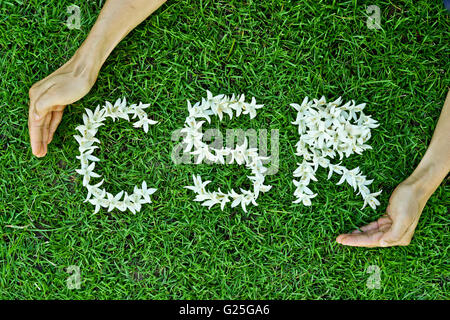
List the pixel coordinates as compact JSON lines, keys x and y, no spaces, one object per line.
{"x":42,"y":106}
{"x":47,"y":102}
{"x":395,"y":233}
{"x":37,"y":94}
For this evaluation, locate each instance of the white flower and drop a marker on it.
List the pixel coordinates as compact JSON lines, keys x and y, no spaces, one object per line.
{"x":250,"y":108}
{"x":301,"y":108}
{"x":221,"y":108}
{"x":145,"y":192}
{"x":137,"y":200}
{"x":193,"y":133}
{"x":115,"y":202}
{"x":322,"y":161}
{"x":86,"y":144}
{"x":239,"y":154}
{"x":362,"y":181}
{"x":335,"y":168}
{"x":144,"y":122}
{"x":258,"y":184}
{"x":110,"y":110}
{"x":223,"y":198}
{"x":367,"y":121}
{"x":88,"y":173}
{"x":304,"y":198}
{"x":257,"y":166}
{"x":98,"y":115}
{"x":238,"y":104}
{"x":305,"y":171}
{"x":131,"y":204}
{"x":336,"y":102}
{"x":371,"y":200}
{"x":121,"y":110}
{"x":203,"y":152}
{"x":199,"y":110}
{"x":302,"y":188}
{"x":89,"y":128}
{"x":244,"y":199}
{"x":95,"y":190}
{"x":249,"y":197}
{"x":99,"y":202}
{"x":354,"y":109}
{"x":210,"y":199}
{"x":350,"y":177}
{"x":363,"y":191}
{"x":220,"y":154}
{"x":86,"y":157}
{"x":199,"y":186}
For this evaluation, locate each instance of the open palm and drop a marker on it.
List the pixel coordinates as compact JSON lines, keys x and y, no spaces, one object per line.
{"x":395,"y":228}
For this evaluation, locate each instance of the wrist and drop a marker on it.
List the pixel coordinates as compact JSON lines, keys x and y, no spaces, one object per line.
{"x":424,"y":180}
{"x":85,"y":66}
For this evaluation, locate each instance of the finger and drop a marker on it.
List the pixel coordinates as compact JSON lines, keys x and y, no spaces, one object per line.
{"x":55,"y":98}
{"x":341,"y":236}
{"x":45,"y":102}
{"x":395,"y":232}
{"x":46,"y":129}
{"x":56,"y":119}
{"x":37,"y":90}
{"x":37,"y":122}
{"x":36,"y":127}
{"x":377,"y":224}
{"x":405,"y":239}
{"x":365,"y":239}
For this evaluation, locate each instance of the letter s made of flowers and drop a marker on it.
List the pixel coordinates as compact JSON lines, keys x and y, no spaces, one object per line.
{"x":242,"y":155}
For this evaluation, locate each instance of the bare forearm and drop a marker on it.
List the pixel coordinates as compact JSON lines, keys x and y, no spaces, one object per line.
{"x":435,"y":164}
{"x":117,"y":18}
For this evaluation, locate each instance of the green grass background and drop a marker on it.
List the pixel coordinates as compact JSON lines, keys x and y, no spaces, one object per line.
{"x":277,"y":51}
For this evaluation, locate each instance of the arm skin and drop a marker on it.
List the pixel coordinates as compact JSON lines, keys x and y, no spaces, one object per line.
{"x":406,"y":203}
{"x":75,"y":78}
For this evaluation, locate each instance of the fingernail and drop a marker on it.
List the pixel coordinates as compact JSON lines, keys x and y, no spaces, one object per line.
{"x":36,"y":116}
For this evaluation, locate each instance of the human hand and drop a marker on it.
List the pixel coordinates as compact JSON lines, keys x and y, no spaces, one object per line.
{"x":396,"y":227}
{"x":50,"y":96}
